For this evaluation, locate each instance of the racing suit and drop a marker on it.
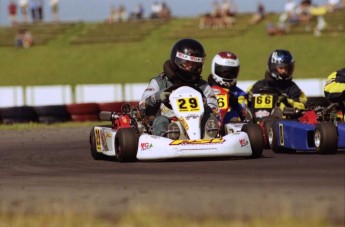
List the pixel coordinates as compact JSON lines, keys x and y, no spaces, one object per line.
{"x":295,"y":97}
{"x":151,"y":105}
{"x":236,"y":106}
{"x":335,"y":89}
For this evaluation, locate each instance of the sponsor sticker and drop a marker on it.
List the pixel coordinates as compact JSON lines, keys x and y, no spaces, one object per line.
{"x":146,"y":146}
{"x":198,"y":142}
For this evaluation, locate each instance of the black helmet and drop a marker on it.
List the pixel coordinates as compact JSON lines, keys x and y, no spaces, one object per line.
{"x":187,"y":59}
{"x":281,"y":65}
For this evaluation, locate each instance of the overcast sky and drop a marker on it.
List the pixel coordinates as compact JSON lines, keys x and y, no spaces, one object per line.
{"x":98,"y":10}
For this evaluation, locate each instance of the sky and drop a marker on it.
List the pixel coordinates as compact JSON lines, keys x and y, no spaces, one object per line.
{"x":98,"y":10}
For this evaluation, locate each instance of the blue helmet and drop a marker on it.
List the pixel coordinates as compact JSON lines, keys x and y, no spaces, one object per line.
{"x":281,"y":65}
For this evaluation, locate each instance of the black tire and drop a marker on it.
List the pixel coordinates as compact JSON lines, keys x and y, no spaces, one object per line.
{"x":267,"y":122}
{"x":126,"y":144}
{"x":18,"y":114}
{"x":326,"y":138}
{"x":96,"y":155}
{"x":273,"y":139}
{"x":256,"y":138}
{"x":58,"y":111}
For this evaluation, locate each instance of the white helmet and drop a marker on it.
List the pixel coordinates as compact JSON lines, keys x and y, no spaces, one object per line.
{"x":225,"y":68}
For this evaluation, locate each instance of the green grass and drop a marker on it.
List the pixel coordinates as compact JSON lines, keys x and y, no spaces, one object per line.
{"x":60,"y":62}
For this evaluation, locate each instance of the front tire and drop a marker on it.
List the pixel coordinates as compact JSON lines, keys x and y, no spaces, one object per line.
{"x":126,"y":144}
{"x":256,"y":139}
{"x":326,"y":138}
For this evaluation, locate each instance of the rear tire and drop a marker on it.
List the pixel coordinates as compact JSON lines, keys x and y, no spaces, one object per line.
{"x":256,"y":139}
{"x":326,"y":138}
{"x":126,"y":144}
{"x":267,"y":123}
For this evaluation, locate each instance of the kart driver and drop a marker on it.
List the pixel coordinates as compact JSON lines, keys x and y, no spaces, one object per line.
{"x":279,"y":73}
{"x":184,"y":67}
{"x":224,"y":71}
{"x":335,"y":89}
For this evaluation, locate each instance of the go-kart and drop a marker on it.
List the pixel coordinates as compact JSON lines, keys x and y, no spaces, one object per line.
{"x":261,"y":105}
{"x":265,"y":108}
{"x":130,"y":138}
{"x":315,"y":129}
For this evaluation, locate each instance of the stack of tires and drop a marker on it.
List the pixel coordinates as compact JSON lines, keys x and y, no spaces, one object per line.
{"x":58,"y":113}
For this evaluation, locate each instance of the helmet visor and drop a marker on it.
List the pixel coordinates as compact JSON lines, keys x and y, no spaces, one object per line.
{"x":284,"y":70}
{"x":226,"y":72}
{"x":190,"y":64}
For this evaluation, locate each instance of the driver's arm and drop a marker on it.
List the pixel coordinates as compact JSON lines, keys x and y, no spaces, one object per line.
{"x":298,"y":102}
{"x":211,"y":99}
{"x":150,"y":102}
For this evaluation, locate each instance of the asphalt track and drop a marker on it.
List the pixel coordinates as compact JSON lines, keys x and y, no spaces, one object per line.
{"x":46,"y":170}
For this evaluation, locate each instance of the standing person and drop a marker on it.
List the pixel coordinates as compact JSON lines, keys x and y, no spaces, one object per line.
{"x":12,"y":12}
{"x":33,"y":6}
{"x":54,"y":4}
{"x":224,"y":72}
{"x":23,"y":4}
{"x":278,"y":76}
{"x":40,"y":10}
{"x":335,"y":89}
{"x":184,"y":67}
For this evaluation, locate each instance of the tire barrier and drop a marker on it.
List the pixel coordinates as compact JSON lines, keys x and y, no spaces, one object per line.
{"x":83,"y":111}
{"x":18,"y":114}
{"x":52,"y":114}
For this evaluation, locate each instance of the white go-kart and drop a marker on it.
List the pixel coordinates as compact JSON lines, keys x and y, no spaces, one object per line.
{"x":130,"y":139}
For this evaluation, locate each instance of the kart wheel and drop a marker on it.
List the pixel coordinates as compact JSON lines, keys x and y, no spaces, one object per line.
{"x":126,"y":144}
{"x":256,"y":139}
{"x":326,"y":138}
{"x":96,"y":155}
{"x":267,"y":123}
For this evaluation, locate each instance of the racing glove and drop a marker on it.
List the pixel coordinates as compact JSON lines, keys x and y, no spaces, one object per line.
{"x":164,"y":96}
{"x":283,"y":98}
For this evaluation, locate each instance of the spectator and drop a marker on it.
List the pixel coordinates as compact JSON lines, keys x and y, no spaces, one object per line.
{"x":272,"y":29}
{"x":165,"y":11}
{"x":54,"y":5}
{"x":24,"y":39}
{"x":225,"y":8}
{"x":40,"y":9}
{"x":216,"y":10}
{"x":12,"y":12}
{"x":113,"y":15}
{"x":23,"y":4}
{"x":155,"y":10}
{"x":33,"y":6}
{"x":138,"y":12}
{"x":303,"y":11}
{"x":333,"y":5}
{"x":123,"y":14}
{"x":289,"y":15}
{"x":259,"y":15}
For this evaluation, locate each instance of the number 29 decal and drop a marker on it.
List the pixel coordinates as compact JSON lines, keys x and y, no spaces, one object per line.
{"x":188,"y":105}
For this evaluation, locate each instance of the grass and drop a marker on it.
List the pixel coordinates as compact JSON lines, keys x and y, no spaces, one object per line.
{"x":142,"y":218}
{"x":60,"y":62}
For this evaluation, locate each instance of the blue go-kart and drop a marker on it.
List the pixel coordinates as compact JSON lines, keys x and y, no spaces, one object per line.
{"x":317,"y":129}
